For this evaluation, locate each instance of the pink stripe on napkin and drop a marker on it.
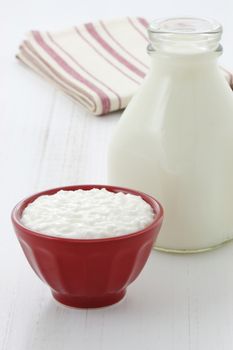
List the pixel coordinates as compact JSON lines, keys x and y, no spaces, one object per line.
{"x":99,"y":53}
{"x":84,"y":69}
{"x":47,"y":69}
{"x":140,"y":32}
{"x":64,"y":65}
{"x":93,"y":32}
{"x":143,"y":21}
{"x":122,"y":47}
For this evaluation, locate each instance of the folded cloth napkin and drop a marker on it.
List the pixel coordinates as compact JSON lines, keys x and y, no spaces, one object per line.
{"x":99,"y":64}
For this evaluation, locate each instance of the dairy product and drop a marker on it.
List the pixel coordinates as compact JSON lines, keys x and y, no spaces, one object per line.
{"x":87,"y":214}
{"x":174,"y":140}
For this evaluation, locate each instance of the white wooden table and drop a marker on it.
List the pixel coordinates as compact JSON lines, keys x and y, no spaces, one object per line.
{"x":46,"y":140}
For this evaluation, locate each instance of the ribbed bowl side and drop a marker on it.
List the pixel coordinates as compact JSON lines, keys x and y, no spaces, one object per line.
{"x":87,"y":269}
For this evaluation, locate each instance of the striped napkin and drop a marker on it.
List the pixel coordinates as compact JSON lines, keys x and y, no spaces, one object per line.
{"x":98,"y":64}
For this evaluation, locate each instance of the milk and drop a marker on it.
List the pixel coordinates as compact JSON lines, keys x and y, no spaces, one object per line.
{"x":175,"y":142}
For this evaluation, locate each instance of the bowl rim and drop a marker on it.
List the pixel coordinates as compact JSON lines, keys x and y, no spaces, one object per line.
{"x":20,"y":206}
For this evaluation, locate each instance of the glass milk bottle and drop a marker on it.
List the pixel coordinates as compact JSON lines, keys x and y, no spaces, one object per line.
{"x":175,"y":139}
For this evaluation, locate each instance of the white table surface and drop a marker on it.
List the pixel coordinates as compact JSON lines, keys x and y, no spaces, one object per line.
{"x":46,"y":140}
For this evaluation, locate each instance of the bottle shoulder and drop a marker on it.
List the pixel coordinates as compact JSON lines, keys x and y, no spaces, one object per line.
{"x":206,"y":95}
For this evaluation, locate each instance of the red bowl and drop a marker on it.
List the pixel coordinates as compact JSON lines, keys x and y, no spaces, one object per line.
{"x":87,"y":273}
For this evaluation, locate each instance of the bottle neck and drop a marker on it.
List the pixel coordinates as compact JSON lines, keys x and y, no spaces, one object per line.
{"x":176,"y":62}
{"x":184,"y":42}
{"x":184,"y":35}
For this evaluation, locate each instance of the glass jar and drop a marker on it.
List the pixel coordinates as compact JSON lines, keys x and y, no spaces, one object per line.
{"x":175,"y":138}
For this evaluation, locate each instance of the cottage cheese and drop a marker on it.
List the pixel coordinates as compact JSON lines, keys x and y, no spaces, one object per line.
{"x":86,"y":214}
